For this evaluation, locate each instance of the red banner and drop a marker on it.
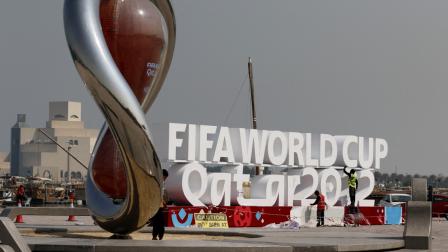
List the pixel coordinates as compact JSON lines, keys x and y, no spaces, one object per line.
{"x":237,"y":216}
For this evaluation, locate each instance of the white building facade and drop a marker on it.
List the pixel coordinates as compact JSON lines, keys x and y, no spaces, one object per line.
{"x":34,"y":154}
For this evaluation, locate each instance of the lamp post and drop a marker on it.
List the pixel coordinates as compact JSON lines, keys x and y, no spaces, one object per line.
{"x":70,"y":143}
{"x":69,"y":177}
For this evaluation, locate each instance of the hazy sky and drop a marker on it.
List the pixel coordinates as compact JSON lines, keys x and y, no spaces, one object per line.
{"x":370,"y":68}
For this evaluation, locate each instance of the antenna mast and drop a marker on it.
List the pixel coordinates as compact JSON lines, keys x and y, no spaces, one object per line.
{"x":252,"y":96}
{"x":252,"y":100}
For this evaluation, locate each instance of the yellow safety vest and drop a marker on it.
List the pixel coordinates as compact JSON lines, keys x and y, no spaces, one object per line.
{"x":352,"y":181}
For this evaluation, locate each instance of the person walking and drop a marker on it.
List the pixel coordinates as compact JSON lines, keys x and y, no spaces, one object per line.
{"x":321,"y":206}
{"x":158,"y":221}
{"x":352,"y":185}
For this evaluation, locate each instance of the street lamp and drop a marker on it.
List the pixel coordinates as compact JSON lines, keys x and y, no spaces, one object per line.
{"x":70,"y":143}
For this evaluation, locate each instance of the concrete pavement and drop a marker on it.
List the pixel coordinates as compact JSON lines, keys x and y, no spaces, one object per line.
{"x":237,"y":239}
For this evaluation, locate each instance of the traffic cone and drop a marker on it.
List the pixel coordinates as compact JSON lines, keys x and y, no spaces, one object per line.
{"x":19,"y":218}
{"x":71,"y":217}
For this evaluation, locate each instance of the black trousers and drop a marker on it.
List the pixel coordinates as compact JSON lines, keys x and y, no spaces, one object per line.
{"x":352,"y":194}
{"x":320,"y":217}
{"x":158,"y":225}
{"x":21,"y":198}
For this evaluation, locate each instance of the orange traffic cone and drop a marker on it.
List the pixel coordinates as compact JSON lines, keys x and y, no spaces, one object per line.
{"x":71,"y":217}
{"x":19,"y":218}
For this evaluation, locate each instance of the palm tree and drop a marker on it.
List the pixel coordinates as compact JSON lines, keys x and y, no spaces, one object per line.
{"x":407,"y":180}
{"x":432,"y":180}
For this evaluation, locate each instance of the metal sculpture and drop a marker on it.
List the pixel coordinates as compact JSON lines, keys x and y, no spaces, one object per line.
{"x":122,"y":50}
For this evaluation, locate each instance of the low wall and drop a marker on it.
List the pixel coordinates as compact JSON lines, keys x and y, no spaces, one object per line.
{"x":237,"y":216}
{"x":244,"y":216}
{"x":307,"y":216}
{"x":12,"y":212}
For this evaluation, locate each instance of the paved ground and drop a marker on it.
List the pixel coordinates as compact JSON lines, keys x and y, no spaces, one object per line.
{"x":334,"y":238}
{"x":439,"y":236}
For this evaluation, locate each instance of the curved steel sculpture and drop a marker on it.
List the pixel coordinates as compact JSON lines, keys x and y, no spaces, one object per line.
{"x":122,"y":50}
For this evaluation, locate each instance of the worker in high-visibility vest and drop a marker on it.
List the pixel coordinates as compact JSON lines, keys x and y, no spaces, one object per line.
{"x":352,"y":185}
{"x":321,"y":206}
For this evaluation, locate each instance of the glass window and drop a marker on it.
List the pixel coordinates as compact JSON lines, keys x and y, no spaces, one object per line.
{"x":400,"y":198}
{"x":440,"y":199}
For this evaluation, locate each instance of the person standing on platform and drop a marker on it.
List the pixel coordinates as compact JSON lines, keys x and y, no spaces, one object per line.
{"x":158,"y":221}
{"x":321,"y":206}
{"x":352,"y":185}
{"x":20,"y":195}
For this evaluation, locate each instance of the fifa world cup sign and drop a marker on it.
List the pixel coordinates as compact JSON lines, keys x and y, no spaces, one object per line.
{"x":122,"y":50}
{"x":207,"y":162}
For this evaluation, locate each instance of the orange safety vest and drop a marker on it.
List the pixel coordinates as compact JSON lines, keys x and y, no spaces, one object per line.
{"x":321,"y":204}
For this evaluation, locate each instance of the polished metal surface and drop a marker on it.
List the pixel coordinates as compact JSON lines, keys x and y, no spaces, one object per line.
{"x":124,"y":116}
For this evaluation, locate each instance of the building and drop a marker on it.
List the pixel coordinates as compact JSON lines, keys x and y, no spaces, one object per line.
{"x":35,"y":154}
{"x":4,"y":164}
